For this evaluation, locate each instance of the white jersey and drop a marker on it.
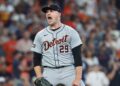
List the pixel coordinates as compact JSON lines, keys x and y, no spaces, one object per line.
{"x":56,"y":46}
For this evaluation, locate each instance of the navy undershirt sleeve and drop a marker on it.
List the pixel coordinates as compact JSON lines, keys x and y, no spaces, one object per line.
{"x":37,"y":59}
{"x":77,"y":55}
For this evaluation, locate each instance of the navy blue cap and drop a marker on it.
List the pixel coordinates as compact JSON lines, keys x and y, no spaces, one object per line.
{"x":55,"y":7}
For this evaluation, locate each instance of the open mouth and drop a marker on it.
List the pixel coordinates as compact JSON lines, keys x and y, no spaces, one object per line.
{"x":49,"y":17}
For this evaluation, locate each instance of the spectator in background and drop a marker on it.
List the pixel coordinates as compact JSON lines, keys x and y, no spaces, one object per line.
{"x":92,"y":37}
{"x":90,"y":59}
{"x":91,"y":46}
{"x":2,"y":52}
{"x":25,"y":68}
{"x":10,"y":47}
{"x":117,"y":4}
{"x":16,"y":71}
{"x":71,"y":22}
{"x":110,"y":42}
{"x":5,"y":11}
{"x":69,"y":8}
{"x":9,"y":82}
{"x":22,"y":8}
{"x":19,"y":32}
{"x":104,"y":55}
{"x":114,"y":73}
{"x":16,"y":62}
{"x":2,"y":81}
{"x":118,"y":24}
{"x":3,"y":72}
{"x":13,"y":24}
{"x":24,"y":44}
{"x":96,"y":77}
{"x":88,"y":6}
{"x":4,"y":36}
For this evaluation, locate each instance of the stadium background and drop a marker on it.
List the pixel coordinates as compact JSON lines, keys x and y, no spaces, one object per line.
{"x":97,"y":21}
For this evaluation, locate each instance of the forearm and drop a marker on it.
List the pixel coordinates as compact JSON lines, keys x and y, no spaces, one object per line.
{"x":78,"y":73}
{"x":78,"y":61}
{"x":37,"y":59}
{"x":38,"y":71}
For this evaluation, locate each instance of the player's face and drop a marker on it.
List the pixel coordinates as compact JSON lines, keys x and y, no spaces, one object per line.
{"x":53,"y":17}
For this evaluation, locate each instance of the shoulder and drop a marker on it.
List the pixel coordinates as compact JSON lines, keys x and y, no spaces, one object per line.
{"x":69,"y":29}
{"x":41,"y":32}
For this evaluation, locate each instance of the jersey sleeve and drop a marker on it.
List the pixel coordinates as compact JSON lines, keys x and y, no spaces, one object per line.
{"x":36,"y":47}
{"x":75,"y":39}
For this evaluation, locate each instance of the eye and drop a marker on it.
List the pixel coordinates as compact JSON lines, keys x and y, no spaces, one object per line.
{"x":51,"y":10}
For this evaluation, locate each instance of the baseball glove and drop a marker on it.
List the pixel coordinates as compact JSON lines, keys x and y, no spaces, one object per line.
{"x":42,"y":82}
{"x":60,"y":84}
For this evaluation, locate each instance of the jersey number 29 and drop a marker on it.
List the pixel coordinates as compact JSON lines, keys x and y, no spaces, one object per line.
{"x":64,"y":49}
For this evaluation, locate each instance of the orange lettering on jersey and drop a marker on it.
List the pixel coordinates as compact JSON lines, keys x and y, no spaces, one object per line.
{"x":54,"y":42}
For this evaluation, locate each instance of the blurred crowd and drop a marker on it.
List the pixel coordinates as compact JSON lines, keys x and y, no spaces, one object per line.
{"x":97,"y":22}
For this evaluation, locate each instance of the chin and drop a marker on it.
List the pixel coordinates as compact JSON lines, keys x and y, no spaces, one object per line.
{"x":51,"y":24}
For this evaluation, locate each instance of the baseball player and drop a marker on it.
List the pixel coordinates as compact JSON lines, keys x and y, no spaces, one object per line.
{"x":57,"y":51}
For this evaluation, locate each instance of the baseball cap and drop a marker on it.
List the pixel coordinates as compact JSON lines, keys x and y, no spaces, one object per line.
{"x":55,"y":7}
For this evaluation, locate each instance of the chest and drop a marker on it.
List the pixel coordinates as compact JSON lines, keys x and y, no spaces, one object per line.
{"x":53,"y":39}
{"x":59,"y":41}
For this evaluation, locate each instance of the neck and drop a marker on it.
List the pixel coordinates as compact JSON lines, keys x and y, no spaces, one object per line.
{"x":57,"y":25}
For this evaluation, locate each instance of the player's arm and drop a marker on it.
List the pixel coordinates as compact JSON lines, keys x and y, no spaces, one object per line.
{"x":76,"y":45}
{"x":37,"y":54}
{"x":37,"y":59}
{"x":78,"y":61}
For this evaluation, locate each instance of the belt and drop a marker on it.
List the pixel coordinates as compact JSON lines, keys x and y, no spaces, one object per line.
{"x":56,"y":67}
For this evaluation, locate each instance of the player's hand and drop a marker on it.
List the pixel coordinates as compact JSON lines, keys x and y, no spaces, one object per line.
{"x":76,"y":83}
